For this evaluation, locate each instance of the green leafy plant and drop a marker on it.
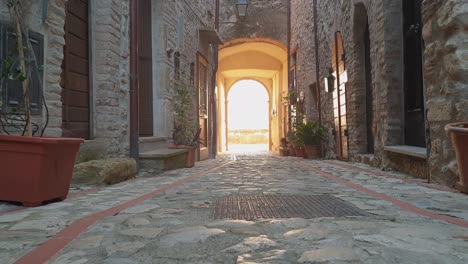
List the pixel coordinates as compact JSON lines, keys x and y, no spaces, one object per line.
{"x":181,"y":101}
{"x":290,"y":97}
{"x":298,"y":139}
{"x":311,"y":133}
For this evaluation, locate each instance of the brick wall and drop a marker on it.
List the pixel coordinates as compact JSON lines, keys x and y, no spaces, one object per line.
{"x":111,"y":97}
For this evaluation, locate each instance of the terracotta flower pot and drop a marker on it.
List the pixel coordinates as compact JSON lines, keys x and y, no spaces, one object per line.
{"x":190,"y":161}
{"x":35,"y":170}
{"x":292,"y":151}
{"x":190,"y":158}
{"x":313,"y":151}
{"x":284,"y":152}
{"x":299,"y":152}
{"x":459,"y":135}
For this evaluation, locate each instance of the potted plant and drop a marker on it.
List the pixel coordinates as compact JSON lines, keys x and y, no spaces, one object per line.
{"x":312,"y":134}
{"x":290,"y":97}
{"x":459,"y":134}
{"x":34,"y":169}
{"x":185,"y":133}
{"x":290,"y":139}
{"x":298,"y":142}
{"x":284,"y":149}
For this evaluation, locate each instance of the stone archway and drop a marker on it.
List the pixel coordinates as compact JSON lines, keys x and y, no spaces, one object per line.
{"x":257,"y":59}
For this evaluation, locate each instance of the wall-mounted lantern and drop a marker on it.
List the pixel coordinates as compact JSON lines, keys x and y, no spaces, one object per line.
{"x":301,"y":97}
{"x":242,"y":6}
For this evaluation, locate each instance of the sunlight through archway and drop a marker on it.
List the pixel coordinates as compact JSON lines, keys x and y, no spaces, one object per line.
{"x":248,"y":117}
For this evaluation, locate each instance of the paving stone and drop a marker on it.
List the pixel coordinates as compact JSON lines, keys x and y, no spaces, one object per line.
{"x":119,"y":261}
{"x":89,"y":242}
{"x":14,"y":217}
{"x":276,"y":256}
{"x":251,"y":244}
{"x":142,"y":232}
{"x":126,"y":247}
{"x":140,"y":209}
{"x":248,"y":230}
{"x":329,"y":255}
{"x":292,"y":223}
{"x":45,"y":224}
{"x":310,"y":234}
{"x":76,"y":257}
{"x":137,"y":221}
{"x":196,"y":234}
{"x":229,"y":224}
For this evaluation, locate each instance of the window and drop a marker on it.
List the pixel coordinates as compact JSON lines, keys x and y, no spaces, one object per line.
{"x":11,"y":90}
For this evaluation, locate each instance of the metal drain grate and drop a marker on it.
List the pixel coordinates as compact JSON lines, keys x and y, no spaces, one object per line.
{"x":250,"y":207}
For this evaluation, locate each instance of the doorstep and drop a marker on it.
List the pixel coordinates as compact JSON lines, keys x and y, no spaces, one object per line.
{"x":417,"y":152}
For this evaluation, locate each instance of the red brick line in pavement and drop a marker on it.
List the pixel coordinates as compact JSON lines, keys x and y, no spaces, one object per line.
{"x":55,"y":244}
{"x":388,"y":175}
{"x":403,"y":205}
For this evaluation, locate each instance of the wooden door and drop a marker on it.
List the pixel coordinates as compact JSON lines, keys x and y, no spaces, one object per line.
{"x":339,"y":98}
{"x":75,"y":74}
{"x":203,"y":106}
{"x":414,"y":95}
{"x":145,"y":69}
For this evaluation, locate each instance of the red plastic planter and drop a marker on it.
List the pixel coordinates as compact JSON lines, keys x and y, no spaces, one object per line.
{"x":34,"y":170}
{"x":459,"y":134}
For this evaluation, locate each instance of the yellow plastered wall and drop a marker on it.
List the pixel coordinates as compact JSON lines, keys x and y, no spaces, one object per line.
{"x":253,"y":60}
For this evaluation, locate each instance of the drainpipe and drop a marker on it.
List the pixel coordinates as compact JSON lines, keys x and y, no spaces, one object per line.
{"x":289,"y":61}
{"x":134,"y":81}
{"x":214,"y":135}
{"x":317,"y":65}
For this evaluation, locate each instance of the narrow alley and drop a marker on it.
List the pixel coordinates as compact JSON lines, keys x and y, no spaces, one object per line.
{"x":233,"y":131}
{"x":363,"y":215}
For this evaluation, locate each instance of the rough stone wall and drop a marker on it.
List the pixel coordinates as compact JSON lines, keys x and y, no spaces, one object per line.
{"x":385,"y":31}
{"x":110,"y":29}
{"x":446,"y":79}
{"x":53,"y":32}
{"x":266,"y":19}
{"x":446,"y":90}
{"x":175,"y":29}
{"x":349,"y":18}
{"x":303,"y":45}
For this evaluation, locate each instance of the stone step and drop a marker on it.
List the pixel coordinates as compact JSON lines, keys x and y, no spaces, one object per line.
{"x":152,"y":143}
{"x":163,"y":159}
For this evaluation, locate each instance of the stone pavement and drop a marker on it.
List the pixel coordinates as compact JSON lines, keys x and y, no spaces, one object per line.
{"x":407,"y":223}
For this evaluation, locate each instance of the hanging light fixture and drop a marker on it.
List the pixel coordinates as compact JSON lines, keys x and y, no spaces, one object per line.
{"x":242,"y":6}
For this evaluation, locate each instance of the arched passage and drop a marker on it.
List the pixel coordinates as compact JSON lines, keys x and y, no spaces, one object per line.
{"x":248,"y":116}
{"x":259,"y":60}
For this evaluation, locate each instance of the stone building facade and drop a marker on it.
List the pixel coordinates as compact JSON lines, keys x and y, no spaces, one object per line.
{"x":184,"y":44}
{"x":108,"y":69}
{"x":266,"y":19}
{"x":88,"y":94}
{"x":374,"y":46}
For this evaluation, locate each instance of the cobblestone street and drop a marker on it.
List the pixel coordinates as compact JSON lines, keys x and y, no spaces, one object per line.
{"x":170,"y":218}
